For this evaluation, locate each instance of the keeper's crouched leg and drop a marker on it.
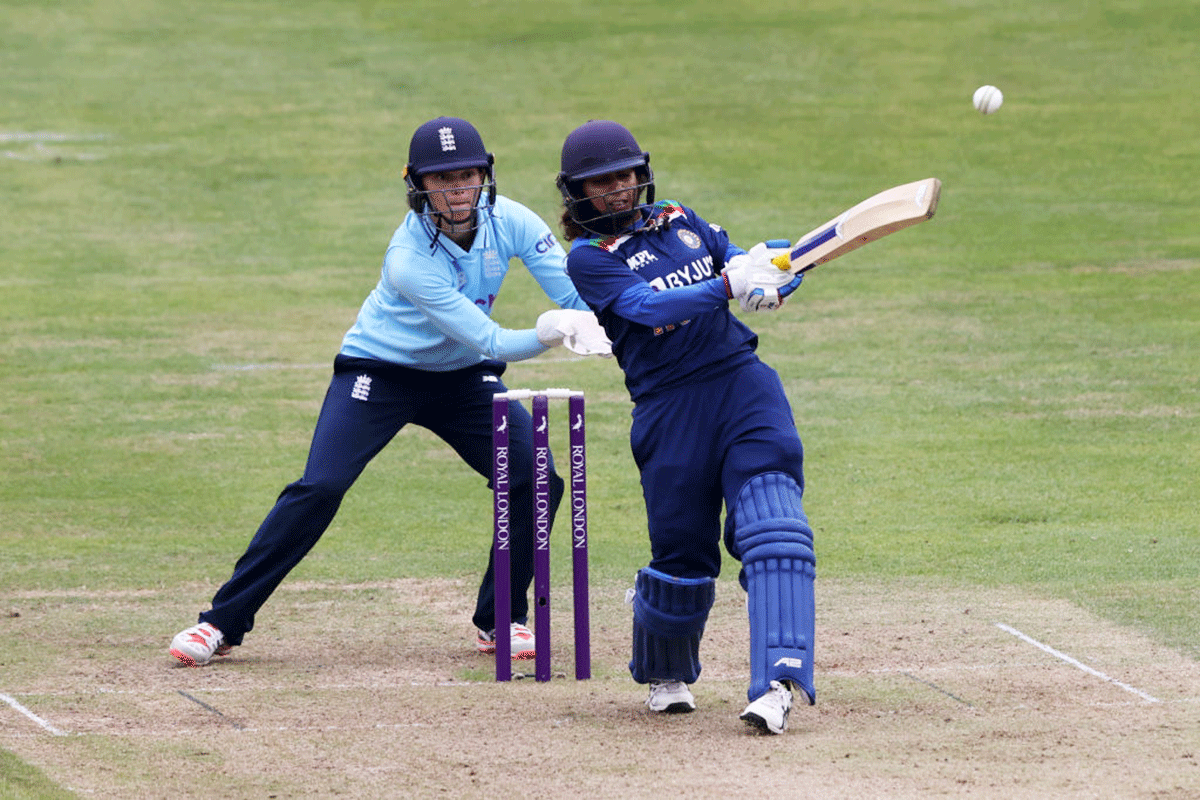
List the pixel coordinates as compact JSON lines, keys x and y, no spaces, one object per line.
{"x":668,"y":620}
{"x":775,"y":545}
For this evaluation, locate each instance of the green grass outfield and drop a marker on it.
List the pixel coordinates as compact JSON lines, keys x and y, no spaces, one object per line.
{"x":194,"y":200}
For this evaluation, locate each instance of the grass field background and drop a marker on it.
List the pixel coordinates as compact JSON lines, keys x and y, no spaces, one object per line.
{"x":195,"y":201}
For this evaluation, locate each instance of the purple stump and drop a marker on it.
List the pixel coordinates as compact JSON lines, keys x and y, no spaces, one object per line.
{"x":541,"y":535}
{"x":579,"y":535}
{"x":501,"y":555}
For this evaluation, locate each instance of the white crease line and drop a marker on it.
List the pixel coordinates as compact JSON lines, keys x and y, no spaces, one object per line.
{"x":1094,"y":672}
{"x":53,"y":731}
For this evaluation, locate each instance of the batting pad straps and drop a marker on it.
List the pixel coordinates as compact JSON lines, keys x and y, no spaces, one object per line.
{"x":669,"y":615}
{"x":779,"y":567}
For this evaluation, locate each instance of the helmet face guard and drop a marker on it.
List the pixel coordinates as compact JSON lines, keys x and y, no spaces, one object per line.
{"x":448,"y":144}
{"x":600,"y":147}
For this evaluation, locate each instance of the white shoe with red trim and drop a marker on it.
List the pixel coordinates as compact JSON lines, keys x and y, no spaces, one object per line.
{"x":195,"y":646}
{"x":521,"y":637}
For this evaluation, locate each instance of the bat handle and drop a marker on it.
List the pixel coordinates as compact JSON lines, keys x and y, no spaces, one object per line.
{"x":785,"y":291}
{"x":783,"y":260}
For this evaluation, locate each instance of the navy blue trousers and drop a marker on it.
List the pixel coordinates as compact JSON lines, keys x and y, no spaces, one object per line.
{"x":696,"y":446}
{"x":366,"y":405}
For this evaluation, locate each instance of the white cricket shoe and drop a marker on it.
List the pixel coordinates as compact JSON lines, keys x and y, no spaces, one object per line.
{"x":196,"y":646}
{"x":670,"y":697}
{"x":520,"y":637}
{"x":769,"y":713}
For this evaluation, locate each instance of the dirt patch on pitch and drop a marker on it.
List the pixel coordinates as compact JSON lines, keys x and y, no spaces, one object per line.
{"x":373,"y":690}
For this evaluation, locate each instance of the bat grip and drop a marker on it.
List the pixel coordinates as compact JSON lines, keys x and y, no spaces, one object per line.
{"x":782,"y":261}
{"x":785,"y":291}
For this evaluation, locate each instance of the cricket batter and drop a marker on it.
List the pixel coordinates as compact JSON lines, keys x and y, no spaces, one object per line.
{"x":424,"y":350}
{"x":711,"y":424}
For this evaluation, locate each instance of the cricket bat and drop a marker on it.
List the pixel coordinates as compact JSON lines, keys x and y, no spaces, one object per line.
{"x":873,"y":218}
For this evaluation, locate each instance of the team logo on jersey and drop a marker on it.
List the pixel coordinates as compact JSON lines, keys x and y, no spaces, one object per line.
{"x":446,"y":138}
{"x":493,"y":267}
{"x":689,"y":238}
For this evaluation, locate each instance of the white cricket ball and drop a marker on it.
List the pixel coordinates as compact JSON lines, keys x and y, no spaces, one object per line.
{"x":988,"y":99}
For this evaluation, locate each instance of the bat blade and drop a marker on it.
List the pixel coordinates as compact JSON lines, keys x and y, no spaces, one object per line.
{"x":882,"y":214}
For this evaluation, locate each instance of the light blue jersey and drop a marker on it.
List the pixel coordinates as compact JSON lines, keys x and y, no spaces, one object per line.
{"x":431,"y":309}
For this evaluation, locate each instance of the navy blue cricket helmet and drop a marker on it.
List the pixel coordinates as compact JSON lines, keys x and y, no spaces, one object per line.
{"x":599,"y":147}
{"x":442,"y":145}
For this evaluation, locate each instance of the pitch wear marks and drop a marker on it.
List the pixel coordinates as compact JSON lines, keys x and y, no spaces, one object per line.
{"x":362,"y":388}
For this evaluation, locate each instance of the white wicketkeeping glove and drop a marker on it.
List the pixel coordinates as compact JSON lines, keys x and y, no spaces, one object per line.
{"x":756,"y":283}
{"x":578,"y":331}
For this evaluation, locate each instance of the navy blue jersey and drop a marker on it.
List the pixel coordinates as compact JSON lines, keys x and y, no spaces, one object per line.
{"x":672,"y":249}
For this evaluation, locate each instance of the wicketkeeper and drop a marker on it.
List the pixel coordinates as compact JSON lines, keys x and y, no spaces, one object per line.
{"x":424,"y":350}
